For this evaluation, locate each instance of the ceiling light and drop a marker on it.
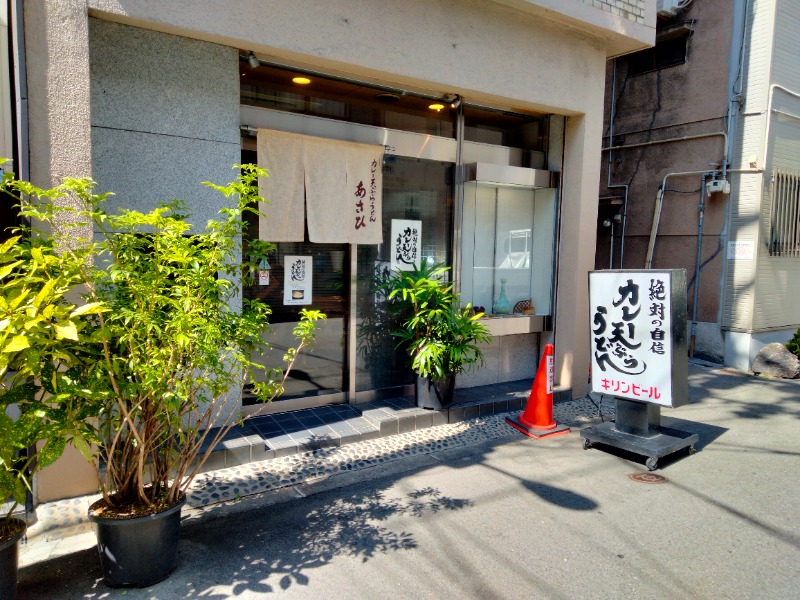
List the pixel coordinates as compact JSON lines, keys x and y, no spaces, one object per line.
{"x":387,"y":98}
{"x":253,"y":60}
{"x":437,"y":107}
{"x":301,"y":80}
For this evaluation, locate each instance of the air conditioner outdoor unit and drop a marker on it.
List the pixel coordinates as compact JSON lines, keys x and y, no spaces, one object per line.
{"x":669,"y":8}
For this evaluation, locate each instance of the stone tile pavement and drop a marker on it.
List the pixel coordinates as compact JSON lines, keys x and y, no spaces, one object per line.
{"x":62,"y":527}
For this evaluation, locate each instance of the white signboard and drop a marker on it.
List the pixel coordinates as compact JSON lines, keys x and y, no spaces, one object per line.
{"x":298,"y":273}
{"x":406,"y":244}
{"x":263,"y":272}
{"x":632,"y":335}
{"x":745,"y":250}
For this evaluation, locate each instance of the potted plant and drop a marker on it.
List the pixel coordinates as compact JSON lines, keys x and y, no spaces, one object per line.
{"x":41,"y":363}
{"x":177,"y":344}
{"x":441,"y":337}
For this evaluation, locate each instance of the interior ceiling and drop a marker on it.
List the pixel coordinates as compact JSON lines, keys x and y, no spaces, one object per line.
{"x":280,"y":80}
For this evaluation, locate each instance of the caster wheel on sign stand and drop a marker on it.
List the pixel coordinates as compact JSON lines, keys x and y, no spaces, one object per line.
{"x":651,"y":464}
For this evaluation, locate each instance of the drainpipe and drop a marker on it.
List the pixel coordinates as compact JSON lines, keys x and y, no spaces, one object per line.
{"x":660,"y":193}
{"x":701,"y":212}
{"x":651,"y":244}
{"x":660,"y":199}
{"x":609,"y":185}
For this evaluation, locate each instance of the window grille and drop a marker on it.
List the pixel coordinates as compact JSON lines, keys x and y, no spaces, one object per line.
{"x":784,"y":239}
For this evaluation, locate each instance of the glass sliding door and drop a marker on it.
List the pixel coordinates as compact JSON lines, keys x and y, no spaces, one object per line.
{"x":415,"y":190}
{"x":319,"y":375}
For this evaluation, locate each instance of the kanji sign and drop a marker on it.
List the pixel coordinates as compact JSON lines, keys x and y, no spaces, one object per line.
{"x":638,"y":335}
{"x":297,"y":280}
{"x":406,"y":244}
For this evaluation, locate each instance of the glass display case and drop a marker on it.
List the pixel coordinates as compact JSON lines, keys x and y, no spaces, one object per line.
{"x":508,"y":241}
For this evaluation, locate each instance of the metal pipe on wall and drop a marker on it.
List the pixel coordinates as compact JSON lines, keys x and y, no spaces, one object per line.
{"x":609,"y":185}
{"x":659,"y":203}
{"x":660,"y":193}
{"x":651,"y":244}
{"x":772,"y":89}
{"x":701,"y":212}
{"x":683,"y":138}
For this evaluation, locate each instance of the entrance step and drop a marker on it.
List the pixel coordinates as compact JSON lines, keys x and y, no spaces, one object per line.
{"x":283,"y":434}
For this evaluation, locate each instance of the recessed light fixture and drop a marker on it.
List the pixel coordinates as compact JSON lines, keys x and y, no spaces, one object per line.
{"x":387,"y":98}
{"x":301,"y":80}
{"x":437,"y":107}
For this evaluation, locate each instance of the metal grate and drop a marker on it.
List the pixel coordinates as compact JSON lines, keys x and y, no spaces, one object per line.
{"x":784,"y":237}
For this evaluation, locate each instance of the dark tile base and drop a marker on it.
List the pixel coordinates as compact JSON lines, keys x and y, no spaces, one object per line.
{"x":283,"y":434}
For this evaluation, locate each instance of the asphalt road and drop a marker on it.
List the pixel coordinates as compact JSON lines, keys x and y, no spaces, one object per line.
{"x":513,"y":518}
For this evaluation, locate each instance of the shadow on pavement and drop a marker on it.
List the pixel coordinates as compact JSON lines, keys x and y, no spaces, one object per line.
{"x":257,"y":551}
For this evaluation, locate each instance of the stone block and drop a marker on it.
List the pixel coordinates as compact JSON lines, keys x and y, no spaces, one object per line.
{"x":774,"y":360}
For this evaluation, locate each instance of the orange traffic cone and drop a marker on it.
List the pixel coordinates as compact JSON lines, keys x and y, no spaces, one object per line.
{"x":537,"y":419}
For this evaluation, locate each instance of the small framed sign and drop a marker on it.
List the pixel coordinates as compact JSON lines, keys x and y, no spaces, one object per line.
{"x":741,"y":250}
{"x":298,"y":275}
{"x":406,"y":244}
{"x":638,"y":335}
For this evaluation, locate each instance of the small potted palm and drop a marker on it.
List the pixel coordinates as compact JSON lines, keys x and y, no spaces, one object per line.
{"x":442,"y":337}
{"x":42,"y":359}
{"x":177,"y":343}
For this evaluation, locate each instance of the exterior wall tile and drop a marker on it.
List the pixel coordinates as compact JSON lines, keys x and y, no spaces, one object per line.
{"x":633,"y":11}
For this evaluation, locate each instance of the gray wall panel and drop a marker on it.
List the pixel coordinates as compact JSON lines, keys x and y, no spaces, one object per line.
{"x":165,"y":117}
{"x":148,"y":81}
{"x":143,"y":170}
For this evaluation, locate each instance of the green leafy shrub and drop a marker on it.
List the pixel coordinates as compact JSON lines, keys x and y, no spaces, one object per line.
{"x":43,"y":357}
{"x":176,"y":341}
{"x":442,"y":337}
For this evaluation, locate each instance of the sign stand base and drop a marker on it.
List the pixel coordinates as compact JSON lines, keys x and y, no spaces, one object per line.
{"x":638,"y":429}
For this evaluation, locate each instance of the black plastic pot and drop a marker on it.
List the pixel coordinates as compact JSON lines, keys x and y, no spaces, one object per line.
{"x":435,"y":394}
{"x":141,"y":551}
{"x":9,"y":561}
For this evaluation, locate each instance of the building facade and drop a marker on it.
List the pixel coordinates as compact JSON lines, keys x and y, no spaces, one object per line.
{"x":485,"y":118}
{"x":699,"y":168}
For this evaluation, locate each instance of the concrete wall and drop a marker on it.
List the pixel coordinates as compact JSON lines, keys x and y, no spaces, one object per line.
{"x":60,"y":146}
{"x":158,"y":129}
{"x":445,"y":52}
{"x":632,"y":10}
{"x":624,"y":25}
{"x":507,"y":358}
{"x":688,"y":99}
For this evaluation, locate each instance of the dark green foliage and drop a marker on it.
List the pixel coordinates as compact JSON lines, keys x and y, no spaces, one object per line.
{"x":793,"y":345}
{"x":442,"y":337}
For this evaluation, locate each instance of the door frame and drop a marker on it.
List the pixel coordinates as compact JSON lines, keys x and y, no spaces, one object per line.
{"x":397,"y":143}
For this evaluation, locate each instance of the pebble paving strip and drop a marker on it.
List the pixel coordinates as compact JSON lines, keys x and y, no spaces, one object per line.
{"x":68,"y":517}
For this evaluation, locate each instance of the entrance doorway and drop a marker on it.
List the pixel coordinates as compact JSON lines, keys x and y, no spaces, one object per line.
{"x":354,"y":358}
{"x":414,"y":189}
{"x":320,"y":374}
